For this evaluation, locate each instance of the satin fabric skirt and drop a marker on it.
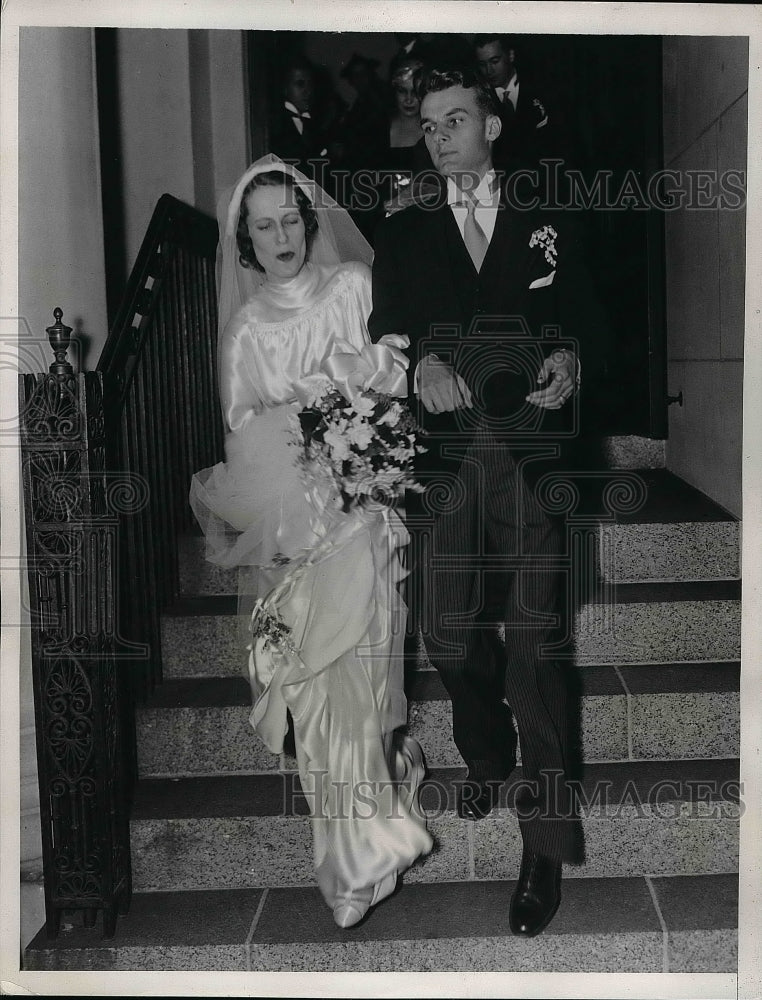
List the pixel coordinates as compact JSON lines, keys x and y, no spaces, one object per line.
{"x":333,"y":579}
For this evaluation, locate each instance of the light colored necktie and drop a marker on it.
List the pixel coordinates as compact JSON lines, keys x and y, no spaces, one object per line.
{"x":474,"y":236}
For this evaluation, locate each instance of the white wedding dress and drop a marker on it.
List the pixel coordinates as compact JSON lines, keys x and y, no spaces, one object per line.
{"x":331,"y":577}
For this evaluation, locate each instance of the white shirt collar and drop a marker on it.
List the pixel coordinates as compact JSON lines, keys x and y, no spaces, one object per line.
{"x":486,"y":193}
{"x":512,"y":90}
{"x":292,"y":108}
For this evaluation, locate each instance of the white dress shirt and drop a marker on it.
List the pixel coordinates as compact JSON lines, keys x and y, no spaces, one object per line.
{"x":297,"y":116}
{"x":487,"y":197}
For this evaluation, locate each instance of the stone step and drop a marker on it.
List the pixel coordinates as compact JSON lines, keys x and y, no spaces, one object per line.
{"x":664,"y":711}
{"x":660,"y":623}
{"x":629,"y":451}
{"x":616,"y":925}
{"x":653,"y":526}
{"x":622,"y":623}
{"x":647,"y":818}
{"x":691,"y":550}
{"x":655,"y":712}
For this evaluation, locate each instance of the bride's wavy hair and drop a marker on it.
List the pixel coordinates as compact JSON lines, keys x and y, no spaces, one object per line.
{"x":272,"y":178}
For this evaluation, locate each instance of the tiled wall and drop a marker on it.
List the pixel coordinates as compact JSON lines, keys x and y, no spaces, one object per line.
{"x":705,"y":128}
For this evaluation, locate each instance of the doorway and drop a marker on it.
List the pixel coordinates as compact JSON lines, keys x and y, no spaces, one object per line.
{"x":605,"y":92}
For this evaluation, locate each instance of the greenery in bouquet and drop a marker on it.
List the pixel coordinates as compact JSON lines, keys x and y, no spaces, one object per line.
{"x":363,"y":448}
{"x":267,"y":625}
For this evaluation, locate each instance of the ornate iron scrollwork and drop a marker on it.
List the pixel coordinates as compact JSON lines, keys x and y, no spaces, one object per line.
{"x":52,"y":412}
{"x":71,"y":546}
{"x":101,"y":557}
{"x":69,"y":708}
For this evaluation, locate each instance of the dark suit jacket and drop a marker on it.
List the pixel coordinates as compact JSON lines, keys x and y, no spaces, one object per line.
{"x":287,"y":143}
{"x":492,"y":326}
{"x":528,"y":133}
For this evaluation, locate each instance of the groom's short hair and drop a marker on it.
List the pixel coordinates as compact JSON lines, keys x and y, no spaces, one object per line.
{"x":442,"y":78}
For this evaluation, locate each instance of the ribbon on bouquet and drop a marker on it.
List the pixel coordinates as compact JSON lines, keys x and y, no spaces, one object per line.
{"x":381,"y":366}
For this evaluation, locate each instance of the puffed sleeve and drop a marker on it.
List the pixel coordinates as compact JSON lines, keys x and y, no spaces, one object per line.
{"x":240,"y":376}
{"x":363,"y":289}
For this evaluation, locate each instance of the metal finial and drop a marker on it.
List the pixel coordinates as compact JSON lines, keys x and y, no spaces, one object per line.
{"x":59,"y":336}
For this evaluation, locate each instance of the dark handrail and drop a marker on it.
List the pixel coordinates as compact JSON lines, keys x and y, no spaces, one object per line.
{"x":83,"y":718}
{"x":107,"y":460}
{"x":159,"y":365}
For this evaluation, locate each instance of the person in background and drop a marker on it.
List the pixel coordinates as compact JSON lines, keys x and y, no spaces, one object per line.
{"x":364,"y":141}
{"x":524,"y":117}
{"x":293,"y":131}
{"x":405,"y":121}
{"x":407,"y":155}
{"x":365,"y":121}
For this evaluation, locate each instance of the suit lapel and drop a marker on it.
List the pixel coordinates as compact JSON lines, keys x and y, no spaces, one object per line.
{"x":460,"y":267}
{"x":508,"y":256}
{"x":503,"y":274}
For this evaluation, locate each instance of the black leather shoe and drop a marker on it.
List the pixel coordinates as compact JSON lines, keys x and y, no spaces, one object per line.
{"x":537,"y":894}
{"x":477,"y":799}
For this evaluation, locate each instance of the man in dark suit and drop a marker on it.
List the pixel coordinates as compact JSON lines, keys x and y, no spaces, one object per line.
{"x":527,"y":132}
{"x":293,"y":133}
{"x":476,"y":283}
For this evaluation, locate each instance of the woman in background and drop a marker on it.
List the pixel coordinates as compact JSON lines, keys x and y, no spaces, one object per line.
{"x":405,"y":122}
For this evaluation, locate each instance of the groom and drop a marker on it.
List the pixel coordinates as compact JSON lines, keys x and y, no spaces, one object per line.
{"x":477,"y":283}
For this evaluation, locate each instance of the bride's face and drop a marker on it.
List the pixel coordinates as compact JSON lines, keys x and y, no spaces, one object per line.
{"x":277,"y":232}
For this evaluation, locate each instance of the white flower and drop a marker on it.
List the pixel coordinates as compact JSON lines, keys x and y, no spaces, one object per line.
{"x":392,"y":415}
{"x":337,"y":443}
{"x":401,"y":454}
{"x":360,"y":434}
{"x":314,"y":388}
{"x":545,"y":238}
{"x":363,"y":405}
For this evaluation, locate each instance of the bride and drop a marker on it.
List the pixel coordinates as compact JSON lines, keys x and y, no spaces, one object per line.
{"x":294,"y":286}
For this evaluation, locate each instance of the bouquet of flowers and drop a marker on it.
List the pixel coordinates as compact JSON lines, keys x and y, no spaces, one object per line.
{"x":267,"y":625}
{"x":358,"y":448}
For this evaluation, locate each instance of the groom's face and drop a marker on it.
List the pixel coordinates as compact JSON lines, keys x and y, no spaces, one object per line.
{"x":458,"y":134}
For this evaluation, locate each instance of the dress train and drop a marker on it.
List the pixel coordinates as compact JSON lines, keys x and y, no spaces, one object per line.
{"x":342,"y":683}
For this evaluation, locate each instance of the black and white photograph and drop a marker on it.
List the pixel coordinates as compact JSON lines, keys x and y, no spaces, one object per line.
{"x":381,"y":422}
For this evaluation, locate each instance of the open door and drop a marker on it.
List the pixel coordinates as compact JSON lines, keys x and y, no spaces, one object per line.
{"x":604,"y":93}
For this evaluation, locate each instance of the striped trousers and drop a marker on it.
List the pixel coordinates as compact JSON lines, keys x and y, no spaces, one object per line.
{"x":490,"y":558}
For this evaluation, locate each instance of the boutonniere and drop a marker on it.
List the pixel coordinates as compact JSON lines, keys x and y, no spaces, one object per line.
{"x":546,"y":238}
{"x":542,"y":114}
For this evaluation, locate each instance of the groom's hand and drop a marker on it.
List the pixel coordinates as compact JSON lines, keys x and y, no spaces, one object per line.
{"x":558,"y":374}
{"x":440,"y":388}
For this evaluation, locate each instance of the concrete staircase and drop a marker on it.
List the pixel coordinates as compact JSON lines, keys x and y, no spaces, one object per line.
{"x":220,"y":837}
